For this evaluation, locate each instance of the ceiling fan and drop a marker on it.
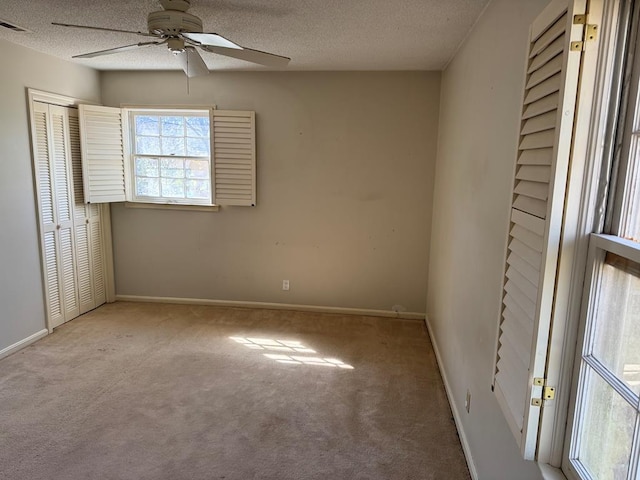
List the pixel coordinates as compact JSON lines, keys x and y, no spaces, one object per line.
{"x":182,"y":33}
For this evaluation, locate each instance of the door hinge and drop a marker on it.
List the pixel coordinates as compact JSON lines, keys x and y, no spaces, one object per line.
{"x":548,"y":393}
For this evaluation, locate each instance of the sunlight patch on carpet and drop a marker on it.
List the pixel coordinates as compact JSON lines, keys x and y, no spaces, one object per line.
{"x":294,"y":348}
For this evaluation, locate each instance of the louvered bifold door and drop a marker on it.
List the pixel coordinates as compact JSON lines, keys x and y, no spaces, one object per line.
{"x":87,"y":225}
{"x":55,"y":207}
{"x":43,"y":170}
{"x":234,"y":158}
{"x":536,"y":217}
{"x":102,"y":145}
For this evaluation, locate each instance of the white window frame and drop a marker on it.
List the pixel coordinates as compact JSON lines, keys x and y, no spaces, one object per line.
{"x":609,"y":193}
{"x":129,"y":114}
{"x":600,"y":245}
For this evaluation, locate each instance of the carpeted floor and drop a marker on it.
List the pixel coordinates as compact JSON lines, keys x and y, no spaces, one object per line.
{"x":147,"y":391}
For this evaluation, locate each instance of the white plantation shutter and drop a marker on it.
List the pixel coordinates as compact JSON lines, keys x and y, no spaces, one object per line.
{"x":536,"y":217}
{"x":103,"y":165}
{"x":233,"y":158}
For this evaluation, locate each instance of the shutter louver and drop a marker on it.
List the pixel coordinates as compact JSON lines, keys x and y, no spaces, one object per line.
{"x":538,"y":195}
{"x":233,"y":158}
{"x":103,"y":167}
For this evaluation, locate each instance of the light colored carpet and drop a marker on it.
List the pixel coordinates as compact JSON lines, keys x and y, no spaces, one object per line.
{"x":144,"y":391}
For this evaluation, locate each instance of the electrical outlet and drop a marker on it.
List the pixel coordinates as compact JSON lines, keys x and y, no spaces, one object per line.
{"x":467,"y":402}
{"x":285,"y":284}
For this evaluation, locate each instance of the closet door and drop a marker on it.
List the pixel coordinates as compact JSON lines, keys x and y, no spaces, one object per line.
{"x":87,"y":230}
{"x":47,"y":212}
{"x":55,"y":197}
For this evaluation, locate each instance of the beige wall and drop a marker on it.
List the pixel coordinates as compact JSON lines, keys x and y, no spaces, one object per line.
{"x":480,"y":109}
{"x":21,"y":298}
{"x":345,"y":178}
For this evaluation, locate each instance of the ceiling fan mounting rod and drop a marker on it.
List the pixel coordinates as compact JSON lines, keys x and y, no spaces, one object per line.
{"x":180,"y":5}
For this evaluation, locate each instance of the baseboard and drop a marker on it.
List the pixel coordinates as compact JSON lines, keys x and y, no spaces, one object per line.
{"x":454,"y":409}
{"x":272,"y":306}
{"x":5,"y":352}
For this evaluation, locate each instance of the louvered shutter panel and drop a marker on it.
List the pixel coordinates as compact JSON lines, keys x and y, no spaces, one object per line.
{"x":233,"y":158}
{"x":103,"y":166}
{"x":536,"y":215}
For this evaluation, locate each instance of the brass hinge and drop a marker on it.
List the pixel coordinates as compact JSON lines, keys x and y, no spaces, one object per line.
{"x":548,"y":393}
{"x":590,"y":33}
{"x":580,"y":19}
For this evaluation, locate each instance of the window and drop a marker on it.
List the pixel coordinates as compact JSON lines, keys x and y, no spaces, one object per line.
{"x":605,"y":435}
{"x":170,"y":156}
{"x":607,"y":402}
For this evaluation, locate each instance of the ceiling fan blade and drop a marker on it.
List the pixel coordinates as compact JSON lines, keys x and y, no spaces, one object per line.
{"x":191,"y":62}
{"x":249,"y":55}
{"x":144,"y":34}
{"x":211,"y":40}
{"x":109,"y":51}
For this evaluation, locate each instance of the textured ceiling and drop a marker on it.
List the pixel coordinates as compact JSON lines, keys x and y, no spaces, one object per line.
{"x":316,"y":34}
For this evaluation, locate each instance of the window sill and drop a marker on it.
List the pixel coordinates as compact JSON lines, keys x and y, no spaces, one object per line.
{"x":171,"y":206}
{"x":551,"y":473}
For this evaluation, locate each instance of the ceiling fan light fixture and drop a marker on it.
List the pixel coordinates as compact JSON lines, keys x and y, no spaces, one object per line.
{"x":176,"y":45}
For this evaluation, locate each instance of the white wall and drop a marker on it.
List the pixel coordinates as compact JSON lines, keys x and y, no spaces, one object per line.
{"x":21,"y":298}
{"x":345,"y":179}
{"x":480,"y":110}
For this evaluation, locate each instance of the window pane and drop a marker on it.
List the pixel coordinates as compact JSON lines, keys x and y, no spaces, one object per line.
{"x":172,"y":167}
{"x":147,"y":167}
{"x":198,"y":126}
{"x":172,"y":146}
{"x":198,"y":147}
{"x":147,"y":125}
{"x":631,"y":215}
{"x":147,"y":187}
{"x":173,"y":187}
{"x":606,"y":432}
{"x":197,"y":169}
{"x":198,"y":189}
{"x":617,"y":320}
{"x":148,"y":145}
{"x":173,"y":126}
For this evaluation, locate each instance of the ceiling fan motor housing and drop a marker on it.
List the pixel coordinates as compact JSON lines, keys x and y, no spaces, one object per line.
{"x":172,"y":22}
